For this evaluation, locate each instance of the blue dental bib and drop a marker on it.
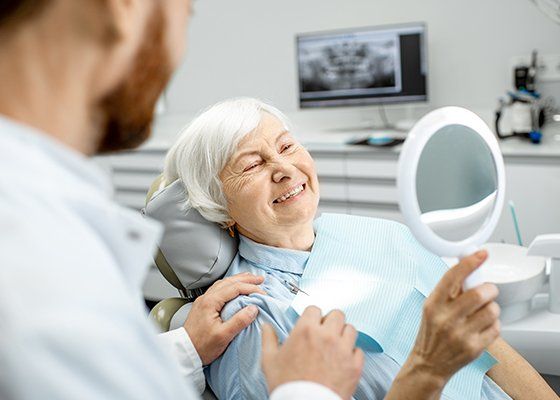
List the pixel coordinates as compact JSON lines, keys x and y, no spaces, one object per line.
{"x":376,"y":272}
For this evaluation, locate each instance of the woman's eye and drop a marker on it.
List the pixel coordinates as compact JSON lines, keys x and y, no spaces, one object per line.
{"x":286,"y":147}
{"x":252,"y":166}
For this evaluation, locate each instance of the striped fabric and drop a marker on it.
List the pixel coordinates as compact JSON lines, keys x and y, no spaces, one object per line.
{"x":381,"y":277}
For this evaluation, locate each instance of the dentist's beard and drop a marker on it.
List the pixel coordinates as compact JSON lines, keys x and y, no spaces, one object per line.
{"x":129,"y":109}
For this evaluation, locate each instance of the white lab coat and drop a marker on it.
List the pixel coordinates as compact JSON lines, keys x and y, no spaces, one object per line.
{"x":72,"y":319}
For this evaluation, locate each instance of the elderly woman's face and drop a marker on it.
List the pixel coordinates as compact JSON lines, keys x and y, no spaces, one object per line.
{"x":270,"y":182}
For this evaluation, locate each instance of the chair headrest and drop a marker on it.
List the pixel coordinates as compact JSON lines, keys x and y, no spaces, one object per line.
{"x":198,"y":251}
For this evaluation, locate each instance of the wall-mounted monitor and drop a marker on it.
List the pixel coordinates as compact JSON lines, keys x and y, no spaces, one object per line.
{"x":376,"y":65}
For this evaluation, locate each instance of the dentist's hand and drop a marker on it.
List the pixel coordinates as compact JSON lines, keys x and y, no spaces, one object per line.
{"x":208,"y":333}
{"x":320,"y":350}
{"x":457,"y":326}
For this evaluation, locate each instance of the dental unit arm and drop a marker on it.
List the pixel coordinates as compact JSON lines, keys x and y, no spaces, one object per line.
{"x":549,"y":246}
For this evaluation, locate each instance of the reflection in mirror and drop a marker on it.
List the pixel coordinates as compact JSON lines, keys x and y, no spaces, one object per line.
{"x":456,"y":182}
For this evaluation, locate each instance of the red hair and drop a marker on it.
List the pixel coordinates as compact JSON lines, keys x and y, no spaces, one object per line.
{"x":15,"y":12}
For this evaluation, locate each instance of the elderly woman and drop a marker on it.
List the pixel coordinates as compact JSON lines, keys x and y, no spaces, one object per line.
{"x":243,"y":169}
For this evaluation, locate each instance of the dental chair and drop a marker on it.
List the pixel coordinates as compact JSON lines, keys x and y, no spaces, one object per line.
{"x":193,"y":253}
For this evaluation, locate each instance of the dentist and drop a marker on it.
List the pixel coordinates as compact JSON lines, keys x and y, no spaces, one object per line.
{"x":79,"y":78}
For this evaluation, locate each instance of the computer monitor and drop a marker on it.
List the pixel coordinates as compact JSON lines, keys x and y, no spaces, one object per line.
{"x":363,"y":66}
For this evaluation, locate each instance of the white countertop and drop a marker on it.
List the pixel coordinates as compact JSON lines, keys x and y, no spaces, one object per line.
{"x":328,"y":141}
{"x":324,"y":140}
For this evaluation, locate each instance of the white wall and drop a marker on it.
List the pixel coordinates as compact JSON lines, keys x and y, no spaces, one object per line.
{"x":246,"y":47}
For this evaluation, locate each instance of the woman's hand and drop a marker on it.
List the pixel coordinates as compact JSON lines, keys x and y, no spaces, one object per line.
{"x":456,"y":328}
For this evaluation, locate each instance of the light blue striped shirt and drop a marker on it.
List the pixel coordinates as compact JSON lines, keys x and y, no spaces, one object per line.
{"x":237,"y":373}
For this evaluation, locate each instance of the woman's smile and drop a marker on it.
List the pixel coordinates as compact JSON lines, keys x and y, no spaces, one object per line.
{"x":291,"y":195}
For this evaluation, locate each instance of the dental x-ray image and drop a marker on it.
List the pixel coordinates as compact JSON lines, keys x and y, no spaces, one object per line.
{"x":356,"y":63}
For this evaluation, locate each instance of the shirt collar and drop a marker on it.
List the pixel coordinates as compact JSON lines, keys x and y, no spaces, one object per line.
{"x":72,"y":162}
{"x":263,"y":256}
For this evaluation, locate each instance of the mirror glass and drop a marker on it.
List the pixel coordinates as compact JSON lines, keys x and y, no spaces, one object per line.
{"x":456,"y":182}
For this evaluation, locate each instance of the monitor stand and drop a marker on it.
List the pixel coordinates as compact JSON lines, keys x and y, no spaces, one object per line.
{"x":372,"y":131}
{"x":401,"y":126}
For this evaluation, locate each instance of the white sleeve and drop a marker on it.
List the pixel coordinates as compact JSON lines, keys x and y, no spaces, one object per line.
{"x":180,"y":346}
{"x":83,"y":332}
{"x":301,"y":390}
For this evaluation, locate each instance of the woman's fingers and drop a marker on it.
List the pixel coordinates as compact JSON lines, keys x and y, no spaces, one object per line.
{"x":452,"y":281}
{"x":456,"y":325}
{"x":473,"y":300}
{"x":483,"y":318}
{"x":489,"y":335}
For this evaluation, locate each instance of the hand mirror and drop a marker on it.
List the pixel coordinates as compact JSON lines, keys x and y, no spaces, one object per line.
{"x":451,"y":183}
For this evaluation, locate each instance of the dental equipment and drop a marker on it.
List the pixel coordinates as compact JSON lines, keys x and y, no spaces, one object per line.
{"x":293,"y":287}
{"x":518,"y":276}
{"x":549,"y":246}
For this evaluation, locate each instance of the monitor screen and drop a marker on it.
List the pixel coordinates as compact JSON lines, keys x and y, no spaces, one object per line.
{"x":362,"y":66}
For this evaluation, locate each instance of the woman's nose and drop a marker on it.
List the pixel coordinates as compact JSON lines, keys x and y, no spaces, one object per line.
{"x":283,"y":171}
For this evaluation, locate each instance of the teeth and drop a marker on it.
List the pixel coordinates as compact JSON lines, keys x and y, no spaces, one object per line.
{"x":294,"y":192}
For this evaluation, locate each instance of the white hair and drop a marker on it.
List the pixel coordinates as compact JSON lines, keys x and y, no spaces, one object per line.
{"x":205,"y":146}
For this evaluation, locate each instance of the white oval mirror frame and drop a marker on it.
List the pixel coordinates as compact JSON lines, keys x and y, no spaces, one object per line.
{"x":406,"y":182}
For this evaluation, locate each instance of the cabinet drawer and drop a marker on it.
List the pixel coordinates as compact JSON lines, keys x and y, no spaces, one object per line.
{"x":333,"y":190}
{"x":369,"y":168}
{"x":359,"y":190}
{"x":330,"y":166}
